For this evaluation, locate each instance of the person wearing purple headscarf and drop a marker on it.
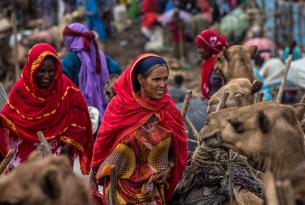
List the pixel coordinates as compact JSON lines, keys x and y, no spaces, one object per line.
{"x":86,"y":64}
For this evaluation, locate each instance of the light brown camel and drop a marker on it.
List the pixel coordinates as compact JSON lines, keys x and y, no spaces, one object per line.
{"x":241,"y":93}
{"x":266,"y":132}
{"x":235,"y":62}
{"x":109,"y":91}
{"x":44,"y":181}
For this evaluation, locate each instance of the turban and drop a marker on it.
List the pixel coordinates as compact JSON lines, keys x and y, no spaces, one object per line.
{"x":211,"y":41}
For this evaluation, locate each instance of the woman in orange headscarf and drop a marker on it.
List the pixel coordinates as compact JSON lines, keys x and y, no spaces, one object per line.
{"x":44,"y":99}
{"x":142,"y":133}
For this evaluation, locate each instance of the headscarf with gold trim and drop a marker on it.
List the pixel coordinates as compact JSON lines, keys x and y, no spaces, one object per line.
{"x":127,"y":111}
{"x":59,"y":111}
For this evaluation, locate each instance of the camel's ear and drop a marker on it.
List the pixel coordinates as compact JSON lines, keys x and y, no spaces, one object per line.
{"x":256,"y":86}
{"x":49,"y":182}
{"x":252,"y":51}
{"x":226,"y":54}
{"x":299,"y":109}
{"x":264,"y":122}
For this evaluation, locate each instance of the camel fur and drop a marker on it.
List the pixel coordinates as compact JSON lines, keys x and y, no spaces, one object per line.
{"x":44,"y":181}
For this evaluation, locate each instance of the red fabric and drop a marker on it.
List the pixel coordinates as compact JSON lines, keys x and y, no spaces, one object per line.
{"x":211,"y":41}
{"x":177,"y":33}
{"x":59,"y":111}
{"x":206,"y":70}
{"x":214,"y":43}
{"x":87,"y":37}
{"x":149,"y":19}
{"x":149,"y":6}
{"x":126,"y":112}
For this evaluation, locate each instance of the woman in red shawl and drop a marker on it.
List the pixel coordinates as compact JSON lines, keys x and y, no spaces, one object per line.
{"x":210,"y":44}
{"x":44,"y":99}
{"x":142,"y":133}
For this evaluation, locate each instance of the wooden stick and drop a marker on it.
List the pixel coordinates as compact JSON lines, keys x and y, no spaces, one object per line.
{"x":192,"y":127}
{"x":181,"y":45}
{"x":186,"y":103}
{"x":286,"y":193}
{"x":284,"y":79}
{"x":222,"y":101}
{"x":270,"y":189}
{"x":6,"y":160}
{"x":113,"y":186}
{"x":44,"y":143}
{"x":302,"y":99}
{"x":15,"y":48}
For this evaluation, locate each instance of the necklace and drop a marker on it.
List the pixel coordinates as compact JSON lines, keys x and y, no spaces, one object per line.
{"x":153,"y":125}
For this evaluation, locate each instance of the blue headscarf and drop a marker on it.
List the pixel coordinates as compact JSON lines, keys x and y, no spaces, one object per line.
{"x":145,"y":66}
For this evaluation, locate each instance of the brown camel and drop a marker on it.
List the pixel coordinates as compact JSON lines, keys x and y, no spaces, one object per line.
{"x":235,"y":62}
{"x":241,"y":93}
{"x":266,"y":132}
{"x":109,"y":91}
{"x":44,"y":181}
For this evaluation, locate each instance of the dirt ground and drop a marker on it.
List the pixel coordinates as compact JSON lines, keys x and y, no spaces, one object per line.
{"x":126,"y":45}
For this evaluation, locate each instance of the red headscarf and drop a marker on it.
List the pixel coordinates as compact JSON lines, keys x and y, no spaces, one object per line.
{"x":214,"y":43}
{"x":126,"y":112}
{"x":59,"y":111}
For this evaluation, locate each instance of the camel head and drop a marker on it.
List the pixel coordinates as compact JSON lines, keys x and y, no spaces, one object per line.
{"x":241,"y":93}
{"x":299,"y":109}
{"x":235,"y":62}
{"x":266,"y":132}
{"x":43,"y":181}
{"x":109,"y":91}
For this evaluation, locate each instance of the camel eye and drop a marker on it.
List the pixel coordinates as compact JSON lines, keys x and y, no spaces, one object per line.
{"x":238,"y":126}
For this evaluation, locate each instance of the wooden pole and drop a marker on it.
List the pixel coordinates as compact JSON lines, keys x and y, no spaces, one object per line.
{"x":302,"y":99}
{"x":286,"y":194}
{"x":6,"y":160}
{"x":284,"y":79}
{"x":113,"y":186}
{"x":192,"y":127}
{"x":15,"y":47}
{"x":222,"y":101}
{"x":270,"y":189}
{"x":45,"y":145}
{"x":300,"y":16}
{"x":186,"y":103}
{"x":181,"y":47}
{"x":275,"y":22}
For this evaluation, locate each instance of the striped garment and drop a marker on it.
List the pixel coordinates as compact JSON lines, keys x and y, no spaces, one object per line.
{"x":3,"y":96}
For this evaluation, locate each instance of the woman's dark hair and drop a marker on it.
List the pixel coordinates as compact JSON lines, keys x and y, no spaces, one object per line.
{"x":144,"y":67}
{"x":178,"y":80}
{"x":51,"y":58}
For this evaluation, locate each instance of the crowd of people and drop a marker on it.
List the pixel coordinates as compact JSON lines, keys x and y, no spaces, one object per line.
{"x":140,"y":130}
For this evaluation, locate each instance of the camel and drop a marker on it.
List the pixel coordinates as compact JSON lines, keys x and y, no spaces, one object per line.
{"x":44,"y":181}
{"x":109,"y":91}
{"x":235,"y":62}
{"x":299,"y":109}
{"x":267,"y":132}
{"x":241,"y":93}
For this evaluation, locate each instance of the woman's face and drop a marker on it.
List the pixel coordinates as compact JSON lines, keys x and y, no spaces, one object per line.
{"x":204,"y":54}
{"x":154,"y":85}
{"x":45,"y":75}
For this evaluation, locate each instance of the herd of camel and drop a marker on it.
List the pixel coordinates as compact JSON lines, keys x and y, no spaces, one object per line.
{"x":249,"y":152}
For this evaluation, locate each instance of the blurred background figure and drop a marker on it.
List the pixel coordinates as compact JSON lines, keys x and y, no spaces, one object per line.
{"x":177,"y":91}
{"x":86,"y":64}
{"x":294,"y":50}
